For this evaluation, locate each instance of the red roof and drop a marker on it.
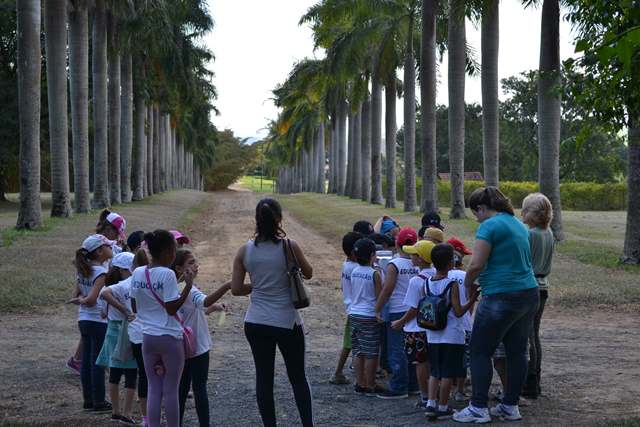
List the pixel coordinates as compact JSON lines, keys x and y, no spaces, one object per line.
{"x":468,"y":176}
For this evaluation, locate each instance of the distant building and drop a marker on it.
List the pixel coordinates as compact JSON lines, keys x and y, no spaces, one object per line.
{"x":468,"y":176}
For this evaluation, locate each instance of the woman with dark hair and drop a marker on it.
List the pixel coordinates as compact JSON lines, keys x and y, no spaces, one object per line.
{"x":502,"y":264}
{"x":271,"y":318}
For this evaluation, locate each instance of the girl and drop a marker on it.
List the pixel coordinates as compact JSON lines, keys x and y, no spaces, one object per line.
{"x":156,"y":300}
{"x":90,"y":258}
{"x":196,"y":369}
{"x":118,"y":310}
{"x":123,"y":291}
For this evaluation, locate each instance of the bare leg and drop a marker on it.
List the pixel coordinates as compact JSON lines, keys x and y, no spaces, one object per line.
{"x":422,"y":375}
{"x":142,"y":401}
{"x":370,"y":368}
{"x":115,"y":398}
{"x":78,"y":355}
{"x":460,"y":384}
{"x":128,"y":401}
{"x":433,"y":388}
{"x":358,"y":364}
{"x":342,"y":360}
{"x":445,"y":389}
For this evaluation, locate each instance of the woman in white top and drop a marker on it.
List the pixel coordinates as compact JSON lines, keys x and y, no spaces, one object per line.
{"x":156,"y":300}
{"x":271,"y":318}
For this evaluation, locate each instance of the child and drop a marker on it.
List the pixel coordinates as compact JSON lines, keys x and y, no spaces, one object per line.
{"x":181,"y":239}
{"x":537,"y":213}
{"x":112,"y":226}
{"x":89,"y":262}
{"x":348,"y":242}
{"x":365,"y":332}
{"x":385,"y":245}
{"x":399,"y":272}
{"x":156,"y":300}
{"x":415,"y":337}
{"x":123,"y":291}
{"x":446,"y":347}
{"x":192,"y":312}
{"x":118,"y":311}
{"x":387,"y":225}
{"x":363,"y":227}
{"x":134,"y":241}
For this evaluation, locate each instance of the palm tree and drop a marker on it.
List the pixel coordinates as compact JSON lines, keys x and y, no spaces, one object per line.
{"x":342,"y":146}
{"x":114,"y":105}
{"x":55,"y":27}
{"x":140,"y":142}
{"x":457,"y":60}
{"x":410,"y":202}
{"x":156,"y":148}
{"x":376,"y":141}
{"x":490,"y":35}
{"x":365,"y":142}
{"x":79,"y":91}
{"x":390,"y":90}
{"x":29,"y":68}
{"x":99,"y":65}
{"x":126,"y":127}
{"x":150,"y":149}
{"x":356,"y":185}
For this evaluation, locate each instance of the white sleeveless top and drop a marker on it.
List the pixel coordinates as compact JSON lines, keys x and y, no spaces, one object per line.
{"x":363,"y":292}
{"x":406,"y":271}
{"x":270,"y":301}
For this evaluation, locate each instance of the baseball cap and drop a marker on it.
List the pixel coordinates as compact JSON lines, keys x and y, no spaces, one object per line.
{"x":95,"y":241}
{"x":458,"y":246}
{"x":364,"y":249}
{"x":407,"y":236}
{"x":388,"y":225}
{"x":178,"y":235}
{"x":123,"y":260}
{"x":118,"y":222}
{"x":422,"y":249}
{"x":363,"y":227}
{"x":434,"y":234}
{"x":432,"y":219}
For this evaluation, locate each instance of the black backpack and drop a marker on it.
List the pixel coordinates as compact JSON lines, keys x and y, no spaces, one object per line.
{"x":434,"y":309}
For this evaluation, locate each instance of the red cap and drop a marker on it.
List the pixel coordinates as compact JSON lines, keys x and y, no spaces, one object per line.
{"x":406,"y":237}
{"x":459,"y":246}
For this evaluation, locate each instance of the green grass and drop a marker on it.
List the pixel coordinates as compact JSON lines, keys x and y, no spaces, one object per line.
{"x":629,"y":422}
{"x":253,"y":183}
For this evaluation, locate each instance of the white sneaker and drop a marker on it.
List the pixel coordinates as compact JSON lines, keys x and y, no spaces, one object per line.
{"x":503,"y":413}
{"x":472,"y":415}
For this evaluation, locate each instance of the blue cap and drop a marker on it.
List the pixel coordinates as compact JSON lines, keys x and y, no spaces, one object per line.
{"x":387,"y":226}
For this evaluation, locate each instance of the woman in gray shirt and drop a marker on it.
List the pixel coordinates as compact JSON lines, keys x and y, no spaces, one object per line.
{"x":271,"y":318}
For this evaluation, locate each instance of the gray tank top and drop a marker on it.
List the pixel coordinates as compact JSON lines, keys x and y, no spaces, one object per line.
{"x":270,"y":302}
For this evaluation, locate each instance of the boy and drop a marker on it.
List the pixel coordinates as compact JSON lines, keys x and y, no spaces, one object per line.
{"x":348,"y":242}
{"x":446,"y":346}
{"x":365,"y":331}
{"x":415,"y":337}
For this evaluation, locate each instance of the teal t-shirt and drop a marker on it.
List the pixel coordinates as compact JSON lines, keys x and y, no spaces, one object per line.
{"x":508,"y":268}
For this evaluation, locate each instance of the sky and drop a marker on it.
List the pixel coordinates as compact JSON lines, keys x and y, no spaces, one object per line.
{"x":257,"y":42}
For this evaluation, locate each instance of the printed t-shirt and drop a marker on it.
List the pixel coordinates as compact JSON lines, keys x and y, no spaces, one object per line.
{"x":192,"y":313}
{"x":153,"y":317}
{"x":363,"y":292}
{"x":453,"y":333}
{"x":406,"y":270}
{"x":91,"y":313}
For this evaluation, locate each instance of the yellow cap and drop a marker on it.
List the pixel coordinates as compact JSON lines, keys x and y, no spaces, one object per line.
{"x":422,"y":249}
{"x":434,"y":234}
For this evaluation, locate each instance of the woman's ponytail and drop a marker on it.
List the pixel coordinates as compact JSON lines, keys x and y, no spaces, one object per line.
{"x":492,"y":198}
{"x":83,"y":263}
{"x":268,"y":218}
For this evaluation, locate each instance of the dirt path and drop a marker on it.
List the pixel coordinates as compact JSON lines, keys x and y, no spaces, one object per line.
{"x":590,"y":365}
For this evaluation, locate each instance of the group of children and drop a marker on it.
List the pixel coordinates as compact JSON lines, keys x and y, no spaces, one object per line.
{"x":387,"y":273}
{"x":135,"y":320}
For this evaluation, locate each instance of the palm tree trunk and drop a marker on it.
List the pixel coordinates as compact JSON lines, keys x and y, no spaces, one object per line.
{"x":331,"y":157}
{"x":29,"y":68}
{"x":100,"y":118}
{"x":320,"y":157}
{"x":549,"y":111}
{"x":410,"y":202}
{"x":457,"y":47}
{"x":390,"y":139}
{"x":632,"y":234}
{"x":428,"y":79}
{"x":365,"y":142}
{"x":79,"y":90}
{"x":156,"y":149}
{"x":150,"y":148}
{"x":490,"y":119}
{"x":376,"y":141}
{"x":342,"y":147}
{"x":348,"y":190}
{"x":140,"y":141}
{"x":55,"y":27}
{"x":126,"y":128}
{"x":114,"y":109}
{"x":356,"y":188}
{"x":162,"y":153}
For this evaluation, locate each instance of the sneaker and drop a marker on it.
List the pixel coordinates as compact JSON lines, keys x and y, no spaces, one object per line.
{"x":429,"y":411}
{"x":73,"y":365}
{"x":87,"y":406}
{"x":390,"y":395}
{"x":443,"y":415}
{"x":127,"y":421}
{"x":102,"y":407}
{"x":472,"y":415}
{"x":339,"y":380}
{"x":459,"y":396}
{"x":361,"y":390}
{"x":502,"y":412}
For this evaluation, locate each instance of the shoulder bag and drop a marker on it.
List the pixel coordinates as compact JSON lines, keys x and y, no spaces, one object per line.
{"x":299,"y":295}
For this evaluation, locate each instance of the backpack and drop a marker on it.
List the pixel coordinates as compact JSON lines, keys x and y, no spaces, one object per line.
{"x":434,"y":309}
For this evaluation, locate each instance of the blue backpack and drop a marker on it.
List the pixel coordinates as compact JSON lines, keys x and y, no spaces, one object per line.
{"x":434,"y":309}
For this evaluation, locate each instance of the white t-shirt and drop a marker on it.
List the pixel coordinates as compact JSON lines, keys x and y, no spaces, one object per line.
{"x":363,"y":292}
{"x":121,"y":294}
{"x":153,"y":317}
{"x":122,"y":291}
{"x":406,"y":271}
{"x":414,"y":294}
{"x":453,"y":333}
{"x":347,"y":268}
{"x":86,"y":312}
{"x":192,"y":313}
{"x":459,"y":275}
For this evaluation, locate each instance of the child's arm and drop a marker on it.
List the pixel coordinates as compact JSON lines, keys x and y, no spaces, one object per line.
{"x":408,"y":316}
{"x":388,"y":287}
{"x":107,"y":295}
{"x":459,"y":309}
{"x":217,"y":294}
{"x":238,"y":287}
{"x":91,"y":299}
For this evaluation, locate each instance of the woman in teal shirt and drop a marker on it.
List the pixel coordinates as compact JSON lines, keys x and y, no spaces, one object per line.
{"x":501,"y":263}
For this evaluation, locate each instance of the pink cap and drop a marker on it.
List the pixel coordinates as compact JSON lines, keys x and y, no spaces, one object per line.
{"x":118,"y":222}
{"x":181,"y":238}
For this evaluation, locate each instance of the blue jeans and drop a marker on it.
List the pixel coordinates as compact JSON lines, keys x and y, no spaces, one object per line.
{"x":505,"y":317}
{"x":403,"y":375}
{"x":92,"y":375}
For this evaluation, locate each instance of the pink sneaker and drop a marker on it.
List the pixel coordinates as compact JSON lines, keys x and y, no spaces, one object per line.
{"x":74,"y":365}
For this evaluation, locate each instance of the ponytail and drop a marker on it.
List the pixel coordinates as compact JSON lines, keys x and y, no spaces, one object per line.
{"x":83,"y":263}
{"x":492,"y":198}
{"x":102,"y":221}
{"x":268,"y":218}
{"x":159,"y":241}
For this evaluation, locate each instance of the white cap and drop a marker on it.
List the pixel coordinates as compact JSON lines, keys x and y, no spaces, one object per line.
{"x":123,"y":260}
{"x":118,"y":222}
{"x":95,"y":241}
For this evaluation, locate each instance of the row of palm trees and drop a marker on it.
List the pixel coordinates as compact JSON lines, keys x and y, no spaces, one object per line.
{"x":366,"y":43}
{"x":150,"y":101}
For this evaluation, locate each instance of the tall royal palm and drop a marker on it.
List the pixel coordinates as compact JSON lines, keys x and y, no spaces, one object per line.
{"x":410,"y":201}
{"x":115,"y":112}
{"x":100,"y":118}
{"x":126,"y":126}
{"x":55,"y":28}
{"x":490,"y":36}
{"x":28,"y":21}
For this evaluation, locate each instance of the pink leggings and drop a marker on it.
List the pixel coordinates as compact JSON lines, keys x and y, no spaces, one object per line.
{"x":170,"y":352}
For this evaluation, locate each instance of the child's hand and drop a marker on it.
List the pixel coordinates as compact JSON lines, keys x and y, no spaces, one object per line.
{"x":103,"y":314}
{"x":131,"y":317}
{"x":188,"y":276}
{"x":216,"y":307}
{"x":379,"y":318}
{"x":397,"y":325}
{"x":74,"y":301}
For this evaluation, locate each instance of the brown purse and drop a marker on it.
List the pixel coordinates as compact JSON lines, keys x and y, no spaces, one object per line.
{"x":299,"y":295}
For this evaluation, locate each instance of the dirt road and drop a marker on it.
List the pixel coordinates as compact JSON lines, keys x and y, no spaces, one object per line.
{"x":590,"y":364}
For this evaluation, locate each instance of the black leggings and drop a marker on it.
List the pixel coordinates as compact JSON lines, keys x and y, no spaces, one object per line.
{"x":129,"y":376}
{"x":143,"y":386}
{"x":196,"y":373}
{"x":263,"y":340}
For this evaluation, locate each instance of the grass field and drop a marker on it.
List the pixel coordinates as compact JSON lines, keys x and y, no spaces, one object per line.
{"x":257,"y":185}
